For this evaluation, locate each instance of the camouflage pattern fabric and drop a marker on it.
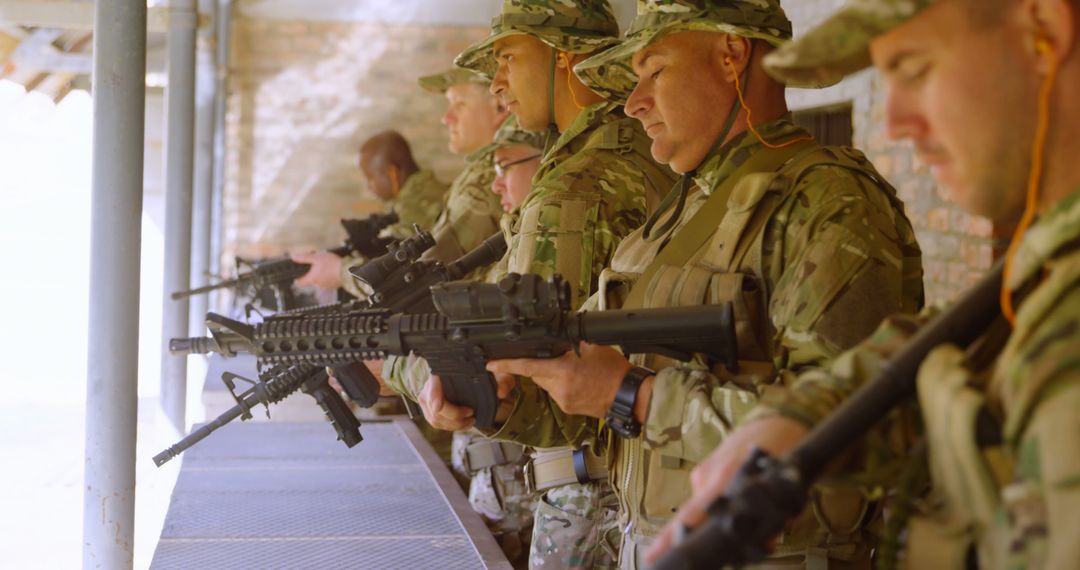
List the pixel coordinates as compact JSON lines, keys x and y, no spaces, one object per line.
{"x":836,"y":257}
{"x":1034,"y":387}
{"x":840,"y":46}
{"x":575,"y":528}
{"x":499,"y":496}
{"x":419,"y":201}
{"x":572,"y":26}
{"x":605,"y":72}
{"x":470,"y":215}
{"x":509,"y":134}
{"x":440,"y":83}
{"x":590,"y":191}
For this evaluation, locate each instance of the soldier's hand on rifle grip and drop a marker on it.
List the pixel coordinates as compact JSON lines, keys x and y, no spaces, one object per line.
{"x":375,"y":367}
{"x":581,"y":385}
{"x":441,"y":413}
{"x":325,"y":269}
{"x":710,"y":479}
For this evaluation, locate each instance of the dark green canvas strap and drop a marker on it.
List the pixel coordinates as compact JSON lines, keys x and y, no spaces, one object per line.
{"x":700,"y":228}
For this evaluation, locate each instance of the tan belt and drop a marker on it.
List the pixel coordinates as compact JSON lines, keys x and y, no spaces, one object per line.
{"x":550,"y":469}
{"x":480,"y":455}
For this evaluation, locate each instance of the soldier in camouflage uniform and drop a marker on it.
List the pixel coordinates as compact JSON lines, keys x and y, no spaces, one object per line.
{"x":469,"y":213}
{"x":592,"y":189}
{"x":392,"y":174}
{"x":810,"y":245}
{"x":985,"y":90}
{"x":494,"y":470}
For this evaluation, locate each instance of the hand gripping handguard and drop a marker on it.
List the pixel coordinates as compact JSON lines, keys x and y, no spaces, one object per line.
{"x":278,"y":274}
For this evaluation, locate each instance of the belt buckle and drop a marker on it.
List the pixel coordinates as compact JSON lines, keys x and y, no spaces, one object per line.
{"x":529,"y":476}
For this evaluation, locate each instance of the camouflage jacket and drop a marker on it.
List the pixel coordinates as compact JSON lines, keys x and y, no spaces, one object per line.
{"x":418,"y":202}
{"x":470,"y":215}
{"x":836,"y":255}
{"x":1032,"y":388}
{"x":591,"y":190}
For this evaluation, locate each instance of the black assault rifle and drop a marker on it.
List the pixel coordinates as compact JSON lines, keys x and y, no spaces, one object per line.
{"x":522,"y":316}
{"x":767,"y":490}
{"x":397,"y":281}
{"x":277,"y":274}
{"x":273,"y":386}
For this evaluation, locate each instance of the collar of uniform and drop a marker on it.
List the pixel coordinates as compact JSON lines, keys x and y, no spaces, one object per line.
{"x":588,"y":119}
{"x":721,"y":163}
{"x":1058,"y":227}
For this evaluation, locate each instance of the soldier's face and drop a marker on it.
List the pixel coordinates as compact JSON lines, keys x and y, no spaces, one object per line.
{"x":523,"y":78}
{"x":471,"y":118}
{"x":681,"y":97}
{"x":513,"y":177}
{"x":965,"y":99}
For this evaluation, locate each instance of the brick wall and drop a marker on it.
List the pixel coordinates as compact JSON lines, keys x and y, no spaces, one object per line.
{"x":302,"y":97}
{"x":957,"y":247}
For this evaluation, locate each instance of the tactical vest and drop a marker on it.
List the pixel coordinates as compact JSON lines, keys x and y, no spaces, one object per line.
{"x":728,"y":268}
{"x":618,"y":137}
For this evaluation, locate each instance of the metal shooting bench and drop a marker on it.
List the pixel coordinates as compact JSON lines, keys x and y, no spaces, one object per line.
{"x":288,"y":495}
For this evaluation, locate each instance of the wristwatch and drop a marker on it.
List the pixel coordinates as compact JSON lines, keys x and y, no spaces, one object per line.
{"x":621,"y":415}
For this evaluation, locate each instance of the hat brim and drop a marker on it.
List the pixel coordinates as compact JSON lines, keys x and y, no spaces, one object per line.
{"x":480,"y":57}
{"x":838,"y":47}
{"x":611,"y":70}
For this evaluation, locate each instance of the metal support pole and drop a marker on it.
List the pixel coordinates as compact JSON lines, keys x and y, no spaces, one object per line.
{"x":119,"y":87}
{"x":179,"y":174}
{"x":223,"y":37}
{"x":204,"y":180}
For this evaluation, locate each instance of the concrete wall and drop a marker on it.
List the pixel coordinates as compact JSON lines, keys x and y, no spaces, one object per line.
{"x":957,"y":247}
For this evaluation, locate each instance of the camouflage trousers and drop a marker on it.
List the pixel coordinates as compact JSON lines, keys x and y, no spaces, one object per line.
{"x":576,"y":527}
{"x":499,"y":496}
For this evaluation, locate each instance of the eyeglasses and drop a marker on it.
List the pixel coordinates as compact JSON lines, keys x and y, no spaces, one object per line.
{"x":502,"y":169}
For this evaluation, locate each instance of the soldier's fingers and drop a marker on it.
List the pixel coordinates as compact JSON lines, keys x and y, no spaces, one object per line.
{"x":303,"y":256}
{"x":305,"y":280}
{"x":454,"y":412}
{"x":504,"y":385}
{"x":518,"y":366}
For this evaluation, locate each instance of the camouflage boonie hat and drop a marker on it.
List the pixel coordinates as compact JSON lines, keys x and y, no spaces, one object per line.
{"x":509,"y":134}
{"x":840,"y":45}
{"x":572,"y":26}
{"x":441,"y":82}
{"x":756,"y":19}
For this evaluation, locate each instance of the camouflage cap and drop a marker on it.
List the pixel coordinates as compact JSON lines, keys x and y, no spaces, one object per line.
{"x":757,"y":19}
{"x":572,"y":26}
{"x":509,"y":134}
{"x":441,"y":82}
{"x":840,"y":45}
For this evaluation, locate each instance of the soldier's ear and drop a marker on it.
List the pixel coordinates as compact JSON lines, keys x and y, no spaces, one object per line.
{"x":733,"y":53}
{"x":1050,"y":27}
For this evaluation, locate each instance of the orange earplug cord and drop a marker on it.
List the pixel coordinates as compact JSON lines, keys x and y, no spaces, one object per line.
{"x":1038,"y":151}
{"x":749,"y":114}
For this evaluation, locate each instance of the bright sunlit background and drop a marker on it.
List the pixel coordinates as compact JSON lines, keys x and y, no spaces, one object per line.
{"x":45,"y":175}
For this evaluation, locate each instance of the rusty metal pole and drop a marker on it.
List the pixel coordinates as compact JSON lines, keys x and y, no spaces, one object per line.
{"x":119,"y":88}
